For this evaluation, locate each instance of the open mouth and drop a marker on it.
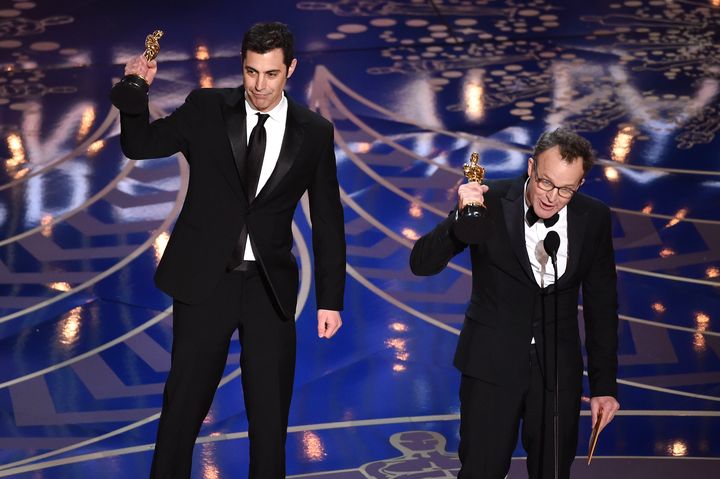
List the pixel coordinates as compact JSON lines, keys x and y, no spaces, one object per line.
{"x":546,"y":206}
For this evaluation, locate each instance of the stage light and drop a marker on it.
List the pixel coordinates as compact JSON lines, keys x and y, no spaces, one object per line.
{"x":410,"y":234}
{"x":612,"y":174}
{"x":622,"y":144}
{"x":70,"y":327}
{"x":313,"y":447}
{"x":86,"y":122}
{"x":680,"y":215}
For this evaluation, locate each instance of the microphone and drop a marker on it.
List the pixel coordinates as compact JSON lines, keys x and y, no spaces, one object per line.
{"x":551,"y":243}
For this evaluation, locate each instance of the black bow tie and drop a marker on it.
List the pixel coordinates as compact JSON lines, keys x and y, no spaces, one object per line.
{"x":533,"y":218}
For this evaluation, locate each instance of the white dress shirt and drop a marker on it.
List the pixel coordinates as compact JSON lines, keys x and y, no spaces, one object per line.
{"x":275,"y":130}
{"x":540,"y":262}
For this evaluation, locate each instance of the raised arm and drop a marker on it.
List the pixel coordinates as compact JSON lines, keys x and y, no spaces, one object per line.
{"x":433,"y":251}
{"x":141,"y":139}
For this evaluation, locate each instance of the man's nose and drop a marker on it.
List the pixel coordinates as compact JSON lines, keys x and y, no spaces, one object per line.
{"x":260,"y":83}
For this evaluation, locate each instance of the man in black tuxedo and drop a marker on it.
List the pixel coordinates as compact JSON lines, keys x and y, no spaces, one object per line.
{"x":505,"y":350}
{"x":252,"y":152}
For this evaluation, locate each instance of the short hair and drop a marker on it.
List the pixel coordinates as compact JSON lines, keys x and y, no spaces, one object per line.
{"x":571,"y":146}
{"x":264,"y":37}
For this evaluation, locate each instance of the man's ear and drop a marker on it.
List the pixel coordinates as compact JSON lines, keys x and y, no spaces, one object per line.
{"x":291,"y":68}
{"x":531,"y":162}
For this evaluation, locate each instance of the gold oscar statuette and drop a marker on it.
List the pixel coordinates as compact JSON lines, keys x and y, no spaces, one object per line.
{"x":472,"y":225}
{"x":474,"y":172}
{"x":129,"y":95}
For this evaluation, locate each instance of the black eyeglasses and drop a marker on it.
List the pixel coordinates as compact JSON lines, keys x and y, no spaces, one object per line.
{"x":547,"y":185}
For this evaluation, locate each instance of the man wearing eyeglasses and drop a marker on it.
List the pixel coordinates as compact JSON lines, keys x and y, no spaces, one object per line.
{"x":505,"y":351}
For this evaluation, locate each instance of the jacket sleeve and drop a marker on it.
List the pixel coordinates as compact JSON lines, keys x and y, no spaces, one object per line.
{"x":433,"y":251}
{"x":600,"y":307}
{"x":328,"y":228}
{"x":164,"y":137}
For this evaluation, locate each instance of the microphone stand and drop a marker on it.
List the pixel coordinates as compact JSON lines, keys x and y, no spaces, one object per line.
{"x":556,"y":408}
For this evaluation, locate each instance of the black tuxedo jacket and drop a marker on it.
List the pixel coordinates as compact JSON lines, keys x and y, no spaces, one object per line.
{"x":209,"y":129}
{"x":507,"y":307}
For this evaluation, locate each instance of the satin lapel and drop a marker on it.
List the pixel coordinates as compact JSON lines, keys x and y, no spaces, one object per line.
{"x":577,"y":225}
{"x":513,"y":211}
{"x":235,"y":125}
{"x":292,"y":140}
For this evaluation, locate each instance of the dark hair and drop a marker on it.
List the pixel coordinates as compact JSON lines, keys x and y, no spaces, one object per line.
{"x":264,"y":37}
{"x":571,"y":146}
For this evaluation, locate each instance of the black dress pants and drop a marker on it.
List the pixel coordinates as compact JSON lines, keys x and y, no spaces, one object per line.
{"x":201,"y":338}
{"x":490,"y":417}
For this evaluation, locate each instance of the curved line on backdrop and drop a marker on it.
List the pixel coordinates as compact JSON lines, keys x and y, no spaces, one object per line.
{"x":659,"y":169}
{"x":323,"y":76}
{"x":660,"y":389}
{"x":669,"y":277}
{"x":61,"y":217}
{"x":184,"y":170}
{"x":382,"y":181}
{"x":379,"y":292}
{"x":75,"y":359}
{"x":184,"y":173}
{"x":397,"y":303}
{"x":347,"y":199}
{"x":222,"y":437}
{"x":658,"y":324}
{"x":664,"y":216}
{"x":9,"y":468}
{"x":110,"y":118}
{"x":333,"y":98}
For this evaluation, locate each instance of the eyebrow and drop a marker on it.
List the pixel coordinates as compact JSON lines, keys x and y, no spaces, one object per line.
{"x":572,"y":187}
{"x":276,"y":70}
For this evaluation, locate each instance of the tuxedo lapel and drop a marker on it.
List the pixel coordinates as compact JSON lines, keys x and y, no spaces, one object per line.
{"x":577,"y":225}
{"x":234,"y":113}
{"x":292,"y":140}
{"x":513,"y":212}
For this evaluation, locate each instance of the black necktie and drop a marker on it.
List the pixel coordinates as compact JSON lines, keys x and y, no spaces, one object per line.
{"x":255,"y":154}
{"x":253,"y":166}
{"x":533,"y":218}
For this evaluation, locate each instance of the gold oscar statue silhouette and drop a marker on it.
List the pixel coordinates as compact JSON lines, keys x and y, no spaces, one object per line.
{"x":129,"y":95}
{"x":473,"y":225}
